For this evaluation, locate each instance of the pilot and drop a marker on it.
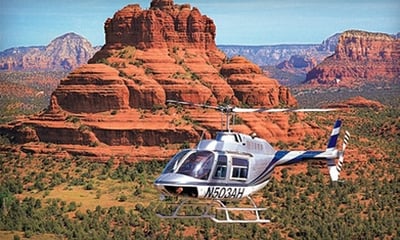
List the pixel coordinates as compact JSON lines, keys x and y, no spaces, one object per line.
{"x":253,"y":135}
{"x":179,"y":190}
{"x":205,"y":168}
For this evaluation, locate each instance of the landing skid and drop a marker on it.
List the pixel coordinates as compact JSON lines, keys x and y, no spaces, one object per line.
{"x":222,"y":213}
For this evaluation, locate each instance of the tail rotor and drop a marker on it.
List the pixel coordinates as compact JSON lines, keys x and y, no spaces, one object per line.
{"x":335,"y":169}
{"x":341,"y":153}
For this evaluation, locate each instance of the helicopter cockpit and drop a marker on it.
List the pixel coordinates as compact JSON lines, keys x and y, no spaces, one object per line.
{"x":197,"y":164}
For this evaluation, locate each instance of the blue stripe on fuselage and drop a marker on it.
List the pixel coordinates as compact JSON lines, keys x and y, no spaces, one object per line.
{"x":334,"y":137}
{"x":308,"y":155}
{"x":332,"y":141}
{"x":265,"y":175}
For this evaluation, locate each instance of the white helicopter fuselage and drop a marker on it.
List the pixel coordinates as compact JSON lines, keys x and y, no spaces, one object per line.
{"x":234,"y":166}
{"x":231,"y":166}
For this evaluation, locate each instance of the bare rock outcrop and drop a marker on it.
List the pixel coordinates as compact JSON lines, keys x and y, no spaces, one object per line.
{"x":92,"y":88}
{"x":360,"y":57}
{"x":163,"y":25}
{"x":169,"y":52}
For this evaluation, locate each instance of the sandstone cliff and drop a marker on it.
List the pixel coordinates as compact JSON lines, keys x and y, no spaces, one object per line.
{"x":164,"y":25}
{"x":359,"y":57}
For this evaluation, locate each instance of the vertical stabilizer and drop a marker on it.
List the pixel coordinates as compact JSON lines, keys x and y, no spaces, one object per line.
{"x":334,"y":169}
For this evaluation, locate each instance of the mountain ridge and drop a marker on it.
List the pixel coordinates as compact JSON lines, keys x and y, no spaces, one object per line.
{"x":271,"y":55}
{"x":65,"y":53}
{"x":11,"y":59}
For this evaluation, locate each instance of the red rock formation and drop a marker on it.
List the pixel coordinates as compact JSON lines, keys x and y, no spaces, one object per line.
{"x":169,"y":52}
{"x":358,"y":102}
{"x":164,"y":25}
{"x":360,"y":57}
{"x":92,"y":88}
{"x":252,"y":87}
{"x":298,"y":64}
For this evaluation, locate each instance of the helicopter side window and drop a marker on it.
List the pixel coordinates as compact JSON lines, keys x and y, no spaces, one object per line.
{"x":239,"y":169}
{"x":198,"y":165}
{"x":220,"y":169}
{"x":174,"y":162}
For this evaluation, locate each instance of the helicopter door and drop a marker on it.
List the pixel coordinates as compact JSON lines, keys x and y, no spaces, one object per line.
{"x":239,"y":169}
{"x":221,"y":168}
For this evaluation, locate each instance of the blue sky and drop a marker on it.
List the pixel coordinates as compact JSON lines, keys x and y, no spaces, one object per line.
{"x":253,"y":22}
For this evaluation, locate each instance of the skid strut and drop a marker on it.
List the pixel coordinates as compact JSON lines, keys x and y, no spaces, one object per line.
{"x":225,"y":213}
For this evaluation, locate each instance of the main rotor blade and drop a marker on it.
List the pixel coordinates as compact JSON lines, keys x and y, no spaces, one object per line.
{"x":314,"y":110}
{"x":192,"y":104}
{"x":228,"y":109}
{"x":273,"y":110}
{"x":249,"y":110}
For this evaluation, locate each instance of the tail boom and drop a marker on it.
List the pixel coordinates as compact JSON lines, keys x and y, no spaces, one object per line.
{"x":330,"y":154}
{"x":291,"y":157}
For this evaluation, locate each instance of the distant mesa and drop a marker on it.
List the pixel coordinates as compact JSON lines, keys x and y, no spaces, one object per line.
{"x":360,"y":57}
{"x":357,"y":102}
{"x":272,"y":55}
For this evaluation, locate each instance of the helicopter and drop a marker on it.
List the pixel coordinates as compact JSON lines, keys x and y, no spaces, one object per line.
{"x":234,"y":166}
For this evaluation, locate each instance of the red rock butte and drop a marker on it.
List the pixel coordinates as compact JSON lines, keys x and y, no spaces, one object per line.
{"x":164,"y":25}
{"x":165,"y":52}
{"x":360,"y":57}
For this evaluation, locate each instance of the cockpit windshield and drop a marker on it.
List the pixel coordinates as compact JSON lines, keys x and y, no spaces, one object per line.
{"x":198,"y":164}
{"x":173,"y":164}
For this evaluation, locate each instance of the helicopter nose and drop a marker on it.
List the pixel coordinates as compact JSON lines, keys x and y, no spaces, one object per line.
{"x":162,"y":182}
{"x":174,"y":185}
{"x":164,"y":179}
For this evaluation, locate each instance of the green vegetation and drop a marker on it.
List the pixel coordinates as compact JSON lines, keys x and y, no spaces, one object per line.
{"x":103,"y":61}
{"x":26,"y":92}
{"x":127,"y":52}
{"x":316,"y":97}
{"x":50,"y":197}
{"x":77,"y":199}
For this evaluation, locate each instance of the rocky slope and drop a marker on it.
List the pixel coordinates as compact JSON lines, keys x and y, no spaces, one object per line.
{"x":63,"y":53}
{"x":359,"y":57}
